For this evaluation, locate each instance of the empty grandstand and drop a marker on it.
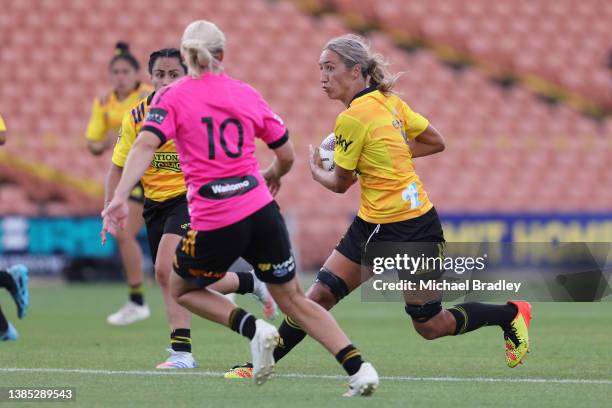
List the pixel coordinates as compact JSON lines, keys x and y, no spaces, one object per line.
{"x":509,"y":150}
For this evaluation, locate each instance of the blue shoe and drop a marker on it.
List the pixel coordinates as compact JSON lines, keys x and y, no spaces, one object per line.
{"x":22,"y":295}
{"x":10,"y":334}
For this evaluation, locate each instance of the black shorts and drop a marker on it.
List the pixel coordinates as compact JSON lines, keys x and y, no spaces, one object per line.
{"x":137,"y":194}
{"x":165,"y":217}
{"x":203,"y":257}
{"x":426,"y":228}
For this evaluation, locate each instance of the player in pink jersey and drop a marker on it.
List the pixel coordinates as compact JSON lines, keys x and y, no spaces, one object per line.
{"x":213,"y":120}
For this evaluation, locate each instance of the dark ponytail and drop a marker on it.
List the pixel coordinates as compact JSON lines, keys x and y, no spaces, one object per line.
{"x":122,"y":52}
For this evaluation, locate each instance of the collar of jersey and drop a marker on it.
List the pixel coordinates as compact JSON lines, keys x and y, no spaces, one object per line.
{"x":362,"y":93}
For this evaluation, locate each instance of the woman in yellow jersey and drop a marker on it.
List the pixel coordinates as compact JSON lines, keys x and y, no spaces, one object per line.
{"x":107,"y":114}
{"x":165,"y":211}
{"x":107,"y":110}
{"x":378,"y":136}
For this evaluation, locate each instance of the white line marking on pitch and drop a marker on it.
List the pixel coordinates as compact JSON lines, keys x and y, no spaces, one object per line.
{"x":311,"y":376}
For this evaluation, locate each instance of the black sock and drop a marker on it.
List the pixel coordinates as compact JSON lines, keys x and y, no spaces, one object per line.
{"x":7,"y":281}
{"x":291,"y":334}
{"x":473,"y":315}
{"x":242,"y":322}
{"x":350,"y":358}
{"x":137,"y":294}
{"x":180,"y":340}
{"x":3,"y":322}
{"x":246,"y":282}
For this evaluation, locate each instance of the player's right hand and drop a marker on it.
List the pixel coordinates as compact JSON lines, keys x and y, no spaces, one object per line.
{"x":114,"y":216}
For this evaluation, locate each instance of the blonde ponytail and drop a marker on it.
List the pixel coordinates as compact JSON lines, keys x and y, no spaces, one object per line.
{"x":201,"y":45}
{"x":354,"y":50}
{"x":380,"y":77}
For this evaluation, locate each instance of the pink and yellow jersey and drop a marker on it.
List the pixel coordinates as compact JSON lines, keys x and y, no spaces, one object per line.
{"x":214,"y":121}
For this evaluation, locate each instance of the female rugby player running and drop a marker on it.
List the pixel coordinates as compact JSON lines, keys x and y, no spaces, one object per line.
{"x":106,"y":116}
{"x":378,"y":135}
{"x":213,"y":119}
{"x":166,"y":214}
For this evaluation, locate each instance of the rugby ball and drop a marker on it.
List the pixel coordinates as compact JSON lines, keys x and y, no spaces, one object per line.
{"x":326,"y":152}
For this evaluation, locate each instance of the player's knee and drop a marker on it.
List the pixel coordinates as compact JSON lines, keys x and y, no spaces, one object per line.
{"x":322,"y":295}
{"x":162,"y":276}
{"x":176,"y":290}
{"x":422,"y":313}
{"x":334,"y":284}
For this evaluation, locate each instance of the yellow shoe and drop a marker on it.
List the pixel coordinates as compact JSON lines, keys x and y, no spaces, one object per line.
{"x":240,"y":371}
{"x":517,"y":336}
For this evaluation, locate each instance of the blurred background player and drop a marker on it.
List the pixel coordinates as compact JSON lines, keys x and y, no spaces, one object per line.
{"x":232,"y":212}
{"x":165,"y":210}
{"x":3,"y":131}
{"x":15,"y":280}
{"x":377,"y":136}
{"x":106,"y":116}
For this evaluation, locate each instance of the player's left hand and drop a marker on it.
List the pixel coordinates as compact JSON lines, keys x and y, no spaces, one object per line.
{"x":272,"y":181}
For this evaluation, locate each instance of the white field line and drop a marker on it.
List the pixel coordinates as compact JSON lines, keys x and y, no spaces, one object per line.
{"x":310,"y":376}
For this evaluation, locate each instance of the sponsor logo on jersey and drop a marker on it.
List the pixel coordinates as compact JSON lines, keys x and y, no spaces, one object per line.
{"x":228,"y":187}
{"x":283,"y":268}
{"x":343,"y":143}
{"x":157,"y":115}
{"x":264,"y":267}
{"x":166,"y":161}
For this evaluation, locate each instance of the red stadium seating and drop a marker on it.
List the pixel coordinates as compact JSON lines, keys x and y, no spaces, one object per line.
{"x":565,"y":42}
{"x":507,"y":151}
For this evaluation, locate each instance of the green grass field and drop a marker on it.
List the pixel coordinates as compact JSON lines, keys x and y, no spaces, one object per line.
{"x":570,"y":364}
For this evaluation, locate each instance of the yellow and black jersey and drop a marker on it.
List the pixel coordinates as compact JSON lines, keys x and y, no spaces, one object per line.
{"x":107,"y":112}
{"x":163,"y":179}
{"x":372,"y":137}
{"x":2,"y":125}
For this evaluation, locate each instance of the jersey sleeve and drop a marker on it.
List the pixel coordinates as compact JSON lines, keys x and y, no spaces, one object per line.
{"x":271,"y":128}
{"x":161,"y":120}
{"x":125,"y":140}
{"x":2,"y":125}
{"x":350,"y":138}
{"x":96,"y":129}
{"x":414,"y":123}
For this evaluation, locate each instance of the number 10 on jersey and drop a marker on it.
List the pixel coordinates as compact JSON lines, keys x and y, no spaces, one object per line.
{"x":223,"y":128}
